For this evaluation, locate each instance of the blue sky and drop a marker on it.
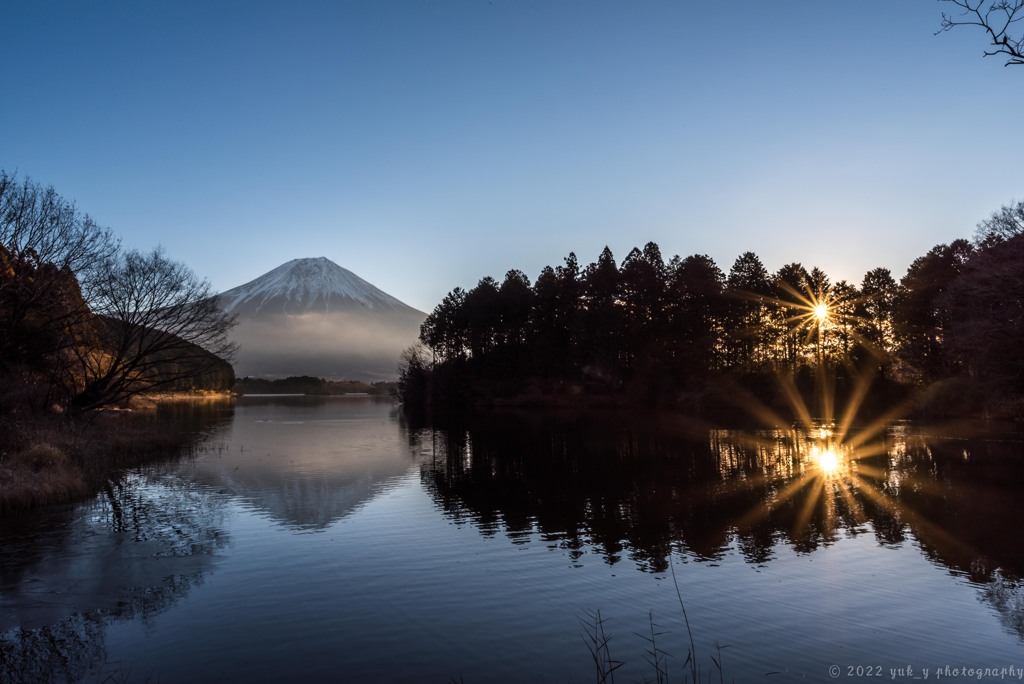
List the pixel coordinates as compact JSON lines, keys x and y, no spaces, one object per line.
{"x":426,"y":144}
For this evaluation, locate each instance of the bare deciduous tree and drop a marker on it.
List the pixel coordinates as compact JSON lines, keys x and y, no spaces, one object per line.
{"x":157,"y":324}
{"x":87,"y":325}
{"x":997,"y":18}
{"x":1001,"y":225}
{"x":35,"y":220}
{"x":48,"y":249}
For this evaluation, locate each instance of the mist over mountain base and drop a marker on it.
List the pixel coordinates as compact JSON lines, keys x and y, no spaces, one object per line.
{"x":313,"y":317}
{"x":335,"y":346}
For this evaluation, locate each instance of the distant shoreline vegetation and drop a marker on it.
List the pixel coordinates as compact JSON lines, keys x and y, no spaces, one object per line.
{"x":945,"y":340}
{"x":309,"y":385}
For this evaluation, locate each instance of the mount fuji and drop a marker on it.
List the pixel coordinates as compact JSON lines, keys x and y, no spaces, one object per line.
{"x":313,"y":317}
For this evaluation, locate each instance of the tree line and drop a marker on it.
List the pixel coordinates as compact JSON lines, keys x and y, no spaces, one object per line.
{"x":671,"y":331}
{"x":86,"y":324}
{"x":309,"y":385}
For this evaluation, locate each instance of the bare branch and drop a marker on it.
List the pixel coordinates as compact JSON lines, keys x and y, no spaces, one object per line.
{"x":158,"y":324}
{"x":37,"y":222}
{"x":997,"y":18}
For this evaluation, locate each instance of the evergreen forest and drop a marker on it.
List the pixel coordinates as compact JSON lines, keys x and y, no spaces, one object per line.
{"x":946,"y":338}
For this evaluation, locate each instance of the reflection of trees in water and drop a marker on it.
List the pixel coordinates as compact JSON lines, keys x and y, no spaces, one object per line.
{"x":622,"y":486}
{"x":165,"y":511}
{"x":66,"y":651}
{"x":138,"y":549}
{"x":74,"y":648}
{"x":1007,"y":597}
{"x":627,"y":486}
{"x":573,"y":485}
{"x":960,"y":498}
{"x":194,"y":420}
{"x":184,"y":423}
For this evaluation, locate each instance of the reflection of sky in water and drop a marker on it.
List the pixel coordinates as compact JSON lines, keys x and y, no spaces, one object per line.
{"x":305,"y":463}
{"x":473,"y":552}
{"x":71,"y":572}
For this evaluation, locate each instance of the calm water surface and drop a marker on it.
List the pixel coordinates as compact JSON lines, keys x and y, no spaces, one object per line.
{"x":332,"y":540}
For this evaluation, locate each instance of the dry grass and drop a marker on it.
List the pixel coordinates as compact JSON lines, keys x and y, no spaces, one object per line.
{"x":39,"y":475}
{"x":149,"y":400}
{"x":598,"y":642}
{"x":53,"y":459}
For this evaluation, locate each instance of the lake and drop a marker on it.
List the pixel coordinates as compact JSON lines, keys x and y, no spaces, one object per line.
{"x":305,"y":539}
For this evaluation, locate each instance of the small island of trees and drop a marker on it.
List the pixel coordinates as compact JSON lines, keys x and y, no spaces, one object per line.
{"x":949,"y":334}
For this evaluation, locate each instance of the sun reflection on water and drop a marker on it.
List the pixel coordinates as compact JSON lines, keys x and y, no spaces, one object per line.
{"x":827,"y":459}
{"x":825,"y":466}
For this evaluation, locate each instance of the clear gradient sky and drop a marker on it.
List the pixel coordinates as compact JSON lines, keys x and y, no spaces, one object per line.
{"x":426,"y":144}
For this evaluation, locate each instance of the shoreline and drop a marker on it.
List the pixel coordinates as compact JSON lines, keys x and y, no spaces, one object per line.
{"x":53,"y":459}
{"x":150,"y":400}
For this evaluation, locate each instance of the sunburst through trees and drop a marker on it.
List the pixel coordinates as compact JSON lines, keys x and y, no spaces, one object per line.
{"x":684,"y":333}
{"x":829,"y":456}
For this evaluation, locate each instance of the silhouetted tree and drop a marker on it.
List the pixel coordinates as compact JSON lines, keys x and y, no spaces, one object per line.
{"x":986,"y":315}
{"x":414,"y":381}
{"x":555,"y":318}
{"x":482,"y":312}
{"x":157,"y":324}
{"x":747,"y":287}
{"x":791,"y":291}
{"x":642,"y":279}
{"x":697,"y":315}
{"x":1002,"y":225}
{"x":843,"y":299}
{"x":49,"y":253}
{"x":819,"y":284}
{"x":875,"y":311}
{"x":569,"y":298}
{"x":445,"y":328}
{"x":550,"y":337}
{"x":35,"y":220}
{"x":601,"y":316}
{"x":922,"y":315}
{"x":996,"y":18}
{"x":516,"y":302}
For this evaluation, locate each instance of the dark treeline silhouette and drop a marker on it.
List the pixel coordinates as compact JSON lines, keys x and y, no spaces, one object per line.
{"x":685,"y":332}
{"x":307,"y":384}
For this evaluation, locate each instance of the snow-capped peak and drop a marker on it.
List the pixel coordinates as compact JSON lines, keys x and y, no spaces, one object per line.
{"x":308,"y":285}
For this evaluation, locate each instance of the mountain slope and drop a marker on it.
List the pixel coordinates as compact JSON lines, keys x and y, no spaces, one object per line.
{"x":309,"y":285}
{"x":313,"y":317}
